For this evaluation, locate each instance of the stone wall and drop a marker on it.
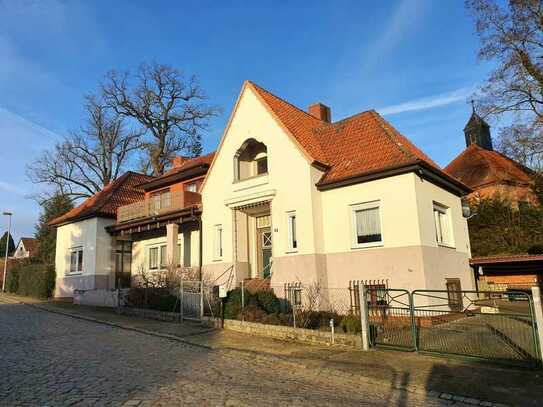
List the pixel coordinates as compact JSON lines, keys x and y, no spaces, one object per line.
{"x":286,"y":332}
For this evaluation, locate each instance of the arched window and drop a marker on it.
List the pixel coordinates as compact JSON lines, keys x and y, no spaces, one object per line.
{"x":251,"y":160}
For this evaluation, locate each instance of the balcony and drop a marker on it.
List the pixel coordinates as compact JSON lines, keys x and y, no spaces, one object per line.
{"x":157,"y":205}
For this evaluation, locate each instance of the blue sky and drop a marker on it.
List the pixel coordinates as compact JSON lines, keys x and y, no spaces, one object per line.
{"x":415,"y":61}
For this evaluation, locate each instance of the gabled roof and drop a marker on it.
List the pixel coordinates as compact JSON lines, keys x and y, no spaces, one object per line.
{"x":476,"y":167}
{"x":30,"y":244}
{"x":123,"y":191}
{"x":190,"y":168}
{"x":190,"y":163}
{"x":350,"y":148}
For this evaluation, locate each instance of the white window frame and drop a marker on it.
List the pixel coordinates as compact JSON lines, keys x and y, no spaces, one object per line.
{"x":192,"y":187}
{"x":443,"y":213}
{"x":157,"y":248}
{"x":292,"y":240}
{"x":218,"y":242}
{"x":78,"y":262}
{"x":354,"y":229}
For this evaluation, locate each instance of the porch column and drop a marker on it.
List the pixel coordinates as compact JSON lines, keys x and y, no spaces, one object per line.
{"x":172,"y":255}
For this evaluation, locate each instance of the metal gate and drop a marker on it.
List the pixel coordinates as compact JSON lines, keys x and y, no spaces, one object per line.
{"x":192,"y":300}
{"x":497,"y":326}
{"x":390,"y":318}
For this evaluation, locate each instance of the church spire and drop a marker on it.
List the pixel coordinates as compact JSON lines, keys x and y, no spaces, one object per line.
{"x":477,"y":131}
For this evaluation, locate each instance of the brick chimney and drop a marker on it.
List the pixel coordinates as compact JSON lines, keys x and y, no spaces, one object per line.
{"x":178,"y":161}
{"x":320,"y":111}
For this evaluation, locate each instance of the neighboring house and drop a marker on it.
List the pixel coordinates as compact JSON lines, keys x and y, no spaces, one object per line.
{"x":293,"y":196}
{"x":488,"y":172}
{"x":26,"y":248}
{"x":288,"y":196}
{"x":104,"y":242}
{"x":509,"y":272}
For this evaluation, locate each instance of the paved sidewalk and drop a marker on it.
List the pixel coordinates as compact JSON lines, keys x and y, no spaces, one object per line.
{"x":402,"y":370}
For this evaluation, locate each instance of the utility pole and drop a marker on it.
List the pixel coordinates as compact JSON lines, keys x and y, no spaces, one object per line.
{"x":6,"y":254}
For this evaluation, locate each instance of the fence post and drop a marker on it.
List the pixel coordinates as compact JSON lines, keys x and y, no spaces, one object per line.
{"x":538,"y":308}
{"x":242,"y":301}
{"x":364,"y":316}
{"x":181,"y":305}
{"x":201,"y":301}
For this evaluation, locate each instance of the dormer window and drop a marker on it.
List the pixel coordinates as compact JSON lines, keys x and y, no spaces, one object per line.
{"x":251,"y":160}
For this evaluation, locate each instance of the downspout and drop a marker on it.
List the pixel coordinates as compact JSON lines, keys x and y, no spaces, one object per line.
{"x":200,"y":241}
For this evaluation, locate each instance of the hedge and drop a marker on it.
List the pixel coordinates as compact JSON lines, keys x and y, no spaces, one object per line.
{"x":33,"y":280}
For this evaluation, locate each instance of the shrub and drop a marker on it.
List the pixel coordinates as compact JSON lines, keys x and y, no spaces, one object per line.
{"x":317,"y":319}
{"x":272,"y":319}
{"x":253,"y":313}
{"x":34,"y":280}
{"x":159,"y":299}
{"x":232,"y":305}
{"x":268,"y":301}
{"x":351,"y":324}
{"x":12,"y":281}
{"x":535,"y":249}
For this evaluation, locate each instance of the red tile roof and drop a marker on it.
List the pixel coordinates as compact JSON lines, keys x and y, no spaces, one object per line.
{"x":362,"y":144}
{"x":476,"y":167}
{"x":506,"y":259}
{"x":123,"y":191}
{"x":189,"y":163}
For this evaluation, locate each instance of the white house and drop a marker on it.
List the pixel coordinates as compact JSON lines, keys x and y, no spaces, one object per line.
{"x":289,"y":196}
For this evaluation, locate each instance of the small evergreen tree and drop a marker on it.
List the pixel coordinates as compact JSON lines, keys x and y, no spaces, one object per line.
{"x":11,"y":244}
{"x":52,"y":208}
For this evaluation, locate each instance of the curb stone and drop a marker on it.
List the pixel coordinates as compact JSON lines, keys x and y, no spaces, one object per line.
{"x":328,"y":371}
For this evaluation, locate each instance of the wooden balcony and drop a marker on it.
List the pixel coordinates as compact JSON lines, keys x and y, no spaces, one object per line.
{"x":156,"y":206}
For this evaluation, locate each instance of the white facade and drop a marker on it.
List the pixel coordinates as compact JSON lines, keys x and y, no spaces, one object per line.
{"x":408,"y":255}
{"x":96,"y":270}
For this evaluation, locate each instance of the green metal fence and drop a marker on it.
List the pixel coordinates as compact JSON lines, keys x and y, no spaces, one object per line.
{"x":484,"y":325}
{"x":390,"y":318}
{"x":492,"y":326}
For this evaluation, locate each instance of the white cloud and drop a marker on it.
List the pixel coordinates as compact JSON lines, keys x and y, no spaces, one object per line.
{"x":428,"y":102}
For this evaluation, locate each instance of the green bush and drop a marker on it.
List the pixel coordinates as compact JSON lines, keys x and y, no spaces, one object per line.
{"x":12,"y":281}
{"x":33,"y":280}
{"x":351,"y":324}
{"x":158,"y":299}
{"x":232,"y":305}
{"x":268,"y":301}
{"x":317,"y":319}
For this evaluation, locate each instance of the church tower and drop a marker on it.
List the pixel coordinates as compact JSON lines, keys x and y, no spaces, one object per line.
{"x":477,"y":131}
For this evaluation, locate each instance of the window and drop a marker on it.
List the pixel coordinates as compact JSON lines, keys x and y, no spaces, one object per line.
{"x":153,"y":258}
{"x":261,"y":165}
{"x":160,"y":200}
{"x":250,"y":160}
{"x":179,"y":254}
{"x":291,"y":225}
{"x":192,"y":187}
{"x":218,"y":242}
{"x":454,"y":294}
{"x":367,"y":225}
{"x":442,"y":225}
{"x":76,"y":260}
{"x":163,"y":258}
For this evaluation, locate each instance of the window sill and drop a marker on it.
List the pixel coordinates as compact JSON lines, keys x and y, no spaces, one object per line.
{"x":216,"y":260}
{"x":237,"y":181}
{"x":73,"y":274}
{"x":367,"y":246}
{"x":292,"y":251}
{"x":446,"y":246}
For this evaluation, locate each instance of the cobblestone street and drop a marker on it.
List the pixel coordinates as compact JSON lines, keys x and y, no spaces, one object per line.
{"x":49,"y":360}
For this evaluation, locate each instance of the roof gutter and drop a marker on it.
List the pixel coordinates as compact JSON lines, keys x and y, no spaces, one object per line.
{"x":422,"y":169}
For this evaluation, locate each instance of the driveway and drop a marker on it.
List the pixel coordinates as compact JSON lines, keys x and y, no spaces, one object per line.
{"x":50,"y":359}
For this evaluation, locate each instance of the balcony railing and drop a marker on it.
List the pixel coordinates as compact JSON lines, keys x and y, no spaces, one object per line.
{"x":156,"y":206}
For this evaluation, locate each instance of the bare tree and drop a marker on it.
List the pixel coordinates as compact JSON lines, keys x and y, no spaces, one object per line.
{"x":87,"y":159}
{"x":169,"y":108}
{"x":512,"y":37}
